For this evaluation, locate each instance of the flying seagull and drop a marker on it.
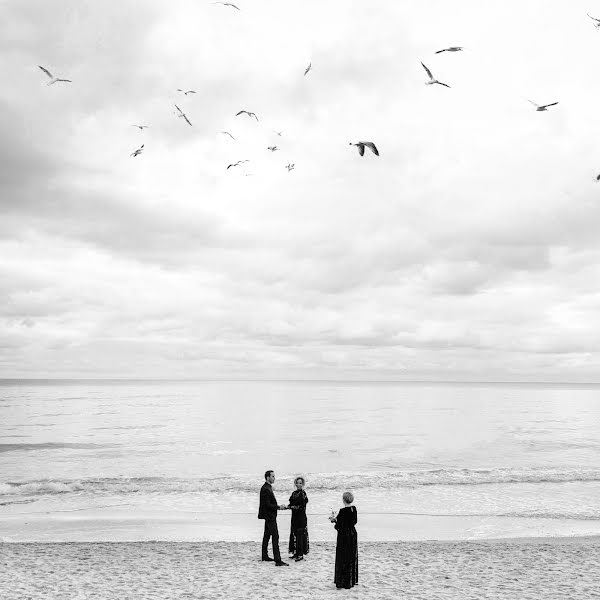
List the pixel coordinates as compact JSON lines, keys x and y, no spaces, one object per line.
{"x":182,"y":114}
{"x":290,"y":166}
{"x":450,"y":49}
{"x":542,"y":107}
{"x":597,"y":177}
{"x":52,"y":78}
{"x":227,"y":133}
{"x":596,"y":21}
{"x":141,"y":127}
{"x":227,"y":4}
{"x":361,"y":147}
{"x":238,"y":163}
{"x":272,"y":148}
{"x":250,"y":114}
{"x":186,"y":92}
{"x":308,"y":68}
{"x":432,"y":79}
{"x":138,"y":151}
{"x":278,"y":133}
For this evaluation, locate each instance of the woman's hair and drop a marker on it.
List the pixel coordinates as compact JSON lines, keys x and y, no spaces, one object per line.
{"x":348,"y":497}
{"x":301,"y":479}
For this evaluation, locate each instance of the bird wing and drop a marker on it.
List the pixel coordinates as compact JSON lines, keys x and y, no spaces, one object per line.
{"x":67,"y":80}
{"x":241,"y":112}
{"x":547,"y":105}
{"x":427,"y":71}
{"x":253,"y":115}
{"x":588,"y":14}
{"x":186,"y":119}
{"x":308,"y":68}
{"x":532,"y":102}
{"x":372,"y":147}
{"x":361,"y":148}
{"x":180,"y":111}
{"x":47,"y":72}
{"x":444,"y":84}
{"x":438,"y":52}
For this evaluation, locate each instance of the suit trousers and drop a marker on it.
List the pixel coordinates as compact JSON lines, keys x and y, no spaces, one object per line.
{"x":271,"y":531}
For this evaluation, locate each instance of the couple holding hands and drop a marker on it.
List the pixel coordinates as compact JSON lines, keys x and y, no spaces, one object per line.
{"x":346,"y":553}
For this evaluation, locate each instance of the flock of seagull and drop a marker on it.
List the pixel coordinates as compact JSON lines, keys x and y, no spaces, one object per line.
{"x":361,"y":145}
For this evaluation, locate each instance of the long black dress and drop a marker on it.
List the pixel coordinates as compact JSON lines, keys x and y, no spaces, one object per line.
{"x":298,"y":545}
{"x":346,"y":551}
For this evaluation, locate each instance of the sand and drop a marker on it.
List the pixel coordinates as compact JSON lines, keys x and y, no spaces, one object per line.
{"x":543,"y":568}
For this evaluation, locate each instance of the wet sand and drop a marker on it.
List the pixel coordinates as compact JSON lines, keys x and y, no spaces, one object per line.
{"x":529,"y":568}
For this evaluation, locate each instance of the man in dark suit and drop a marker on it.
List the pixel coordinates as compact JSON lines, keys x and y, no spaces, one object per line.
{"x":267,"y":510}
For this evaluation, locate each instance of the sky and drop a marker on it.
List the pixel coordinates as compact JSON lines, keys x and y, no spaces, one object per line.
{"x":468,"y":250}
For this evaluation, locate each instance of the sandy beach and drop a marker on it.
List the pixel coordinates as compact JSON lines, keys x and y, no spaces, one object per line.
{"x":508,"y":569}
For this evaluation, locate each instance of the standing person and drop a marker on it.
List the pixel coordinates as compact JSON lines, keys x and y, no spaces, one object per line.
{"x":298,"y":545}
{"x":267,"y":510}
{"x":346,"y":551}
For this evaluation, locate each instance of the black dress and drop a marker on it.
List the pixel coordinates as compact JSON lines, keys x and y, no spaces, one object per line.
{"x":298,"y":545}
{"x":346,"y":551}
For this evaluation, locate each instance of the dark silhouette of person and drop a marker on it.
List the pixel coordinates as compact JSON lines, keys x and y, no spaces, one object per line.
{"x":346,"y":550}
{"x":267,"y":510}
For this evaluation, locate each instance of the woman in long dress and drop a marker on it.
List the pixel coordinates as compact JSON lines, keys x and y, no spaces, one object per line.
{"x":298,"y":545}
{"x":346,"y":550}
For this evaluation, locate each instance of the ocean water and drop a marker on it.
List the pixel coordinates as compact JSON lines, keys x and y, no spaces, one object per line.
{"x":423,"y":460}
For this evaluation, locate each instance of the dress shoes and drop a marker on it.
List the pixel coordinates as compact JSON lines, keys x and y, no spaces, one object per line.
{"x":268,"y":558}
{"x":281,"y":564}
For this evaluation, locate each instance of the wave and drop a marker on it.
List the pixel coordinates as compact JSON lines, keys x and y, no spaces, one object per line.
{"x":28,"y":447}
{"x":224,"y":484}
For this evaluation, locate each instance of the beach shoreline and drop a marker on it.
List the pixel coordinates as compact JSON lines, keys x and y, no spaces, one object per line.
{"x":501,"y":569}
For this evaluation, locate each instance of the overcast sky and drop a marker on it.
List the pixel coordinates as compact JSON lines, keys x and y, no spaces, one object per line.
{"x":469,"y":249}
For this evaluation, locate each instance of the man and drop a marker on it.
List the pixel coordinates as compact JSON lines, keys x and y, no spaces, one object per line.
{"x":267,"y":510}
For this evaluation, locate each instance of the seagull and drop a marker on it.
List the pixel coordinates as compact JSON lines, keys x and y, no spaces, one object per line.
{"x":182,"y":114}
{"x":597,"y":177}
{"x":52,"y":78}
{"x":238,"y":163}
{"x":272,"y":148}
{"x":308,"y":68}
{"x":597,"y":21}
{"x":432,"y":79}
{"x":227,"y":133}
{"x":141,"y":127}
{"x":542,"y":107}
{"x":250,"y":114}
{"x":188,"y":91}
{"x":290,"y":166}
{"x":138,"y":151}
{"x":361,"y":147}
{"x":227,"y":4}
{"x":450,"y":49}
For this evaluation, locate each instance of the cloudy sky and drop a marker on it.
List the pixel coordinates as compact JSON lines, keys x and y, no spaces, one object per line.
{"x":469,"y":249}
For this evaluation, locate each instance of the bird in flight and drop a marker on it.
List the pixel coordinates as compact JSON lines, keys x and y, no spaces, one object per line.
{"x":596,"y":21}
{"x":432,"y":79}
{"x":361,"y":147}
{"x":290,"y":166}
{"x":186,"y":92}
{"x":308,"y":68}
{"x":52,"y":78}
{"x":138,"y":151}
{"x":182,"y":114}
{"x":542,"y":107}
{"x":227,"y":133}
{"x":450,"y":49}
{"x":227,"y":4}
{"x":250,"y":114}
{"x":238,"y":163}
{"x":141,"y":127}
{"x":278,"y":133}
{"x":272,"y":148}
{"x":597,"y":177}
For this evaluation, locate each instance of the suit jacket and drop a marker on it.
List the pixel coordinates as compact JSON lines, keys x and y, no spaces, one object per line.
{"x":267,"y":508}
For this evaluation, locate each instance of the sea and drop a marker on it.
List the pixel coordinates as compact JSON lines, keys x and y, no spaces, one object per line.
{"x":186,"y":459}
